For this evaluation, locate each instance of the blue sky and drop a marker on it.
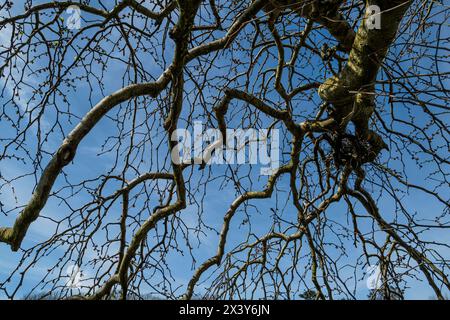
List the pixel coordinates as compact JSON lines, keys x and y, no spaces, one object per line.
{"x":89,"y":165}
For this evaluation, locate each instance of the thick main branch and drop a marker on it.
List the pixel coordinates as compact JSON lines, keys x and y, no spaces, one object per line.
{"x":351,"y":91}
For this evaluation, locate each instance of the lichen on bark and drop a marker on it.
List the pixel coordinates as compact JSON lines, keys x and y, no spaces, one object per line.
{"x":351,"y":92}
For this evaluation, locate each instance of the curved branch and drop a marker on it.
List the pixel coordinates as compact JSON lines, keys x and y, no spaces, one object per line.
{"x":66,"y":152}
{"x":266,"y":193}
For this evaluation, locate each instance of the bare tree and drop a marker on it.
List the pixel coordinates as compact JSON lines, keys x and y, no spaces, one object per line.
{"x":363,"y":113}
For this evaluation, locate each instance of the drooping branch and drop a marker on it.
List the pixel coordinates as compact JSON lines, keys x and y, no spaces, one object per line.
{"x":215,"y":260}
{"x":425,"y":265}
{"x":180,"y":34}
{"x":66,"y":152}
{"x":222,"y":108}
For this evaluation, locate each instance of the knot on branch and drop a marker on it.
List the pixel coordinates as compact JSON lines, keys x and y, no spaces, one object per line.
{"x":333,"y":90}
{"x":66,"y":153}
{"x":175,"y":34}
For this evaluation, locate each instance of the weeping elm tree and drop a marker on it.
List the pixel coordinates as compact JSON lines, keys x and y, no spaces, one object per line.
{"x":99,"y":199}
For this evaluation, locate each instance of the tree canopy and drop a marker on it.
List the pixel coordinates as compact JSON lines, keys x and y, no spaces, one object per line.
{"x":93,"y":91}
